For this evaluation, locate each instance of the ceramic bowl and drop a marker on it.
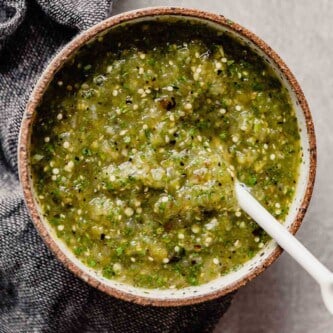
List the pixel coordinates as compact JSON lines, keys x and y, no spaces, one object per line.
{"x":221,"y":285}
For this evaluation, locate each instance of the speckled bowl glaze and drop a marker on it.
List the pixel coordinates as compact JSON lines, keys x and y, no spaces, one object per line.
{"x":221,"y":285}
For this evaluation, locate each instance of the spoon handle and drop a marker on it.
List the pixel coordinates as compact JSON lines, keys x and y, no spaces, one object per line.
{"x":281,"y":235}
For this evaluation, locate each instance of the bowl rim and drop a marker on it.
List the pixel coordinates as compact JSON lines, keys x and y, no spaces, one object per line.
{"x":60,"y":59}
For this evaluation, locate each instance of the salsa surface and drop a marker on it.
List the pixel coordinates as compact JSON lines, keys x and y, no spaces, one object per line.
{"x":136,"y":144}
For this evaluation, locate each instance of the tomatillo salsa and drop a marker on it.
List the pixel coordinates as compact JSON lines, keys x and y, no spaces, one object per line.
{"x":136,"y":144}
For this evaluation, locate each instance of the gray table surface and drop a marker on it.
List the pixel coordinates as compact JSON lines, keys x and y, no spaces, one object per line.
{"x":284,"y":299}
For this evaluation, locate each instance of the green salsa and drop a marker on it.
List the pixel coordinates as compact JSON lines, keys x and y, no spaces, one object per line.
{"x":137,"y":143}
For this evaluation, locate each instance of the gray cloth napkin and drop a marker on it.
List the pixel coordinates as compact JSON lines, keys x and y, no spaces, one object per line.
{"x":38,"y":294}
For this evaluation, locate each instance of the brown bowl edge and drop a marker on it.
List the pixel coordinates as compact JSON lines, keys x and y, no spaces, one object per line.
{"x":46,"y":78}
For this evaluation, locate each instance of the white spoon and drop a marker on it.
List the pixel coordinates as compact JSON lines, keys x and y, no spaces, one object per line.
{"x":288,"y":242}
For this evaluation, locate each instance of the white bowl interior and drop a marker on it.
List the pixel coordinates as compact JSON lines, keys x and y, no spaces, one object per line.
{"x":235,"y":276}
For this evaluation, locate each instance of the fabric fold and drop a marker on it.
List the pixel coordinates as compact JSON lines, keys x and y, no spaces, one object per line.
{"x":11,"y":16}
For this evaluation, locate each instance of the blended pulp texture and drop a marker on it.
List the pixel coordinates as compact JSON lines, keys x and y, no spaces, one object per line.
{"x":136,"y":145}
